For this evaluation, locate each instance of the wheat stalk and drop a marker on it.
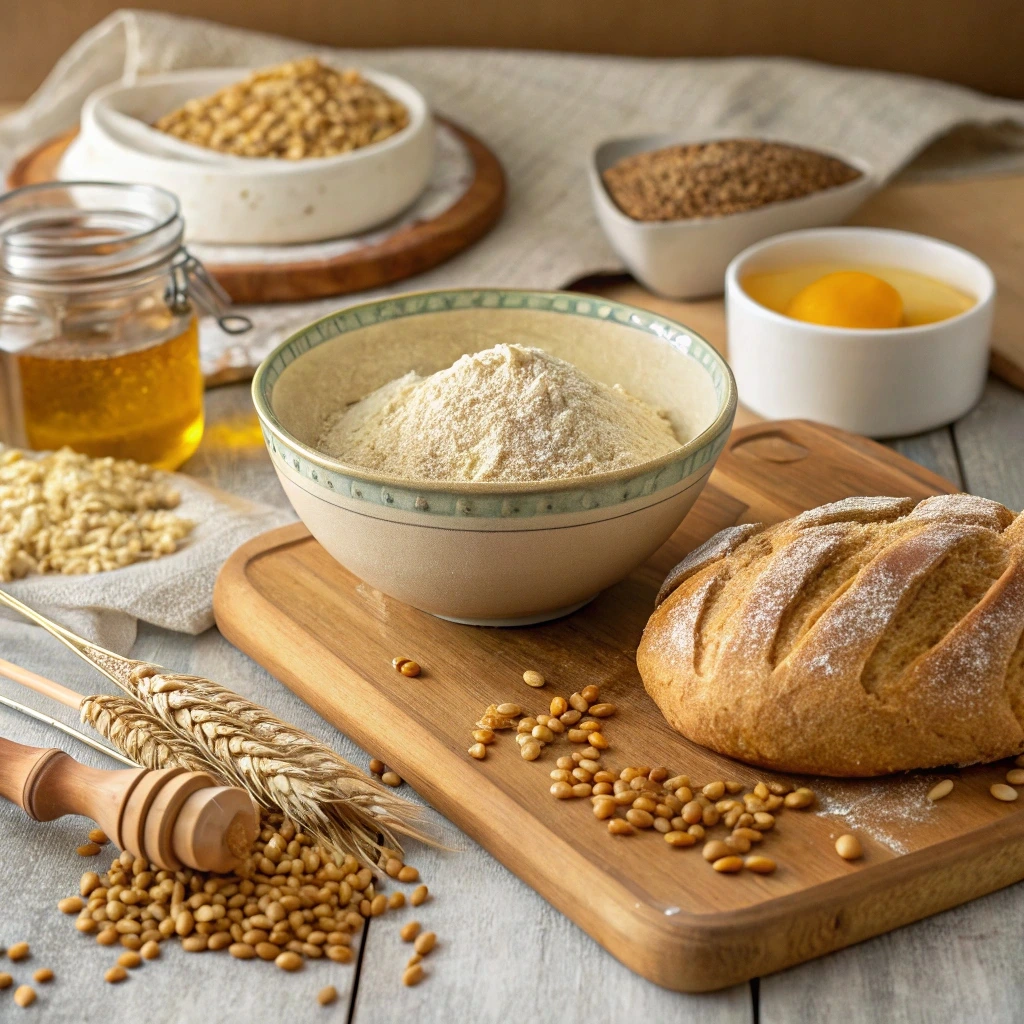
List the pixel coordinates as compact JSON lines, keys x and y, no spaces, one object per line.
{"x":281,"y":766}
{"x":131,"y":727}
{"x":169,"y":719}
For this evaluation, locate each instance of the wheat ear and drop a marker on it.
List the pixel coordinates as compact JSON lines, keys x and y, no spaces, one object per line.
{"x":241,"y":743}
{"x":281,"y":766}
{"x":131,"y":727}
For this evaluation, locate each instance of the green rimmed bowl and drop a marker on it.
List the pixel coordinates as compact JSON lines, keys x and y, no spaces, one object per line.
{"x":492,"y":553}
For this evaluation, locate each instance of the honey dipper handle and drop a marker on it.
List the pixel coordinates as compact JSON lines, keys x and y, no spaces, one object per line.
{"x":48,"y":783}
{"x":20,"y":770}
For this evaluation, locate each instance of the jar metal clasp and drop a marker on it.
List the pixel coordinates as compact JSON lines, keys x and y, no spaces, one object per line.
{"x":191,"y":281}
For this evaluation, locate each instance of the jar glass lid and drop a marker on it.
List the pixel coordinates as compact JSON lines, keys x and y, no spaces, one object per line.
{"x":91,"y":234}
{"x":83,"y":230}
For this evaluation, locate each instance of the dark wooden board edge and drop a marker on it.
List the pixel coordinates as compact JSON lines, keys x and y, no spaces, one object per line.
{"x":687,"y":952}
{"x":413,"y":250}
{"x":1005,"y":368}
{"x":38,"y":164}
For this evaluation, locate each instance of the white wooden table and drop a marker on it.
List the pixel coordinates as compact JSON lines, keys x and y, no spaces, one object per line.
{"x":503,"y":954}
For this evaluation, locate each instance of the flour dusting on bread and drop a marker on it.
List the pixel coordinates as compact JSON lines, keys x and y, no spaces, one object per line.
{"x":866,"y":636}
{"x":788,"y":574}
{"x":710,"y":551}
{"x":964,"y":508}
{"x":853,"y":510}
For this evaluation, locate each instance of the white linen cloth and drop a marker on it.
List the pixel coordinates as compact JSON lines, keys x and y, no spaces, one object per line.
{"x":543,"y":114}
{"x":175,"y":592}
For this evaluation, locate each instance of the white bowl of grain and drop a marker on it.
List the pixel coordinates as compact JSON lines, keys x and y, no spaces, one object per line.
{"x":238,"y":200}
{"x":490,"y":551}
{"x":685,"y":254}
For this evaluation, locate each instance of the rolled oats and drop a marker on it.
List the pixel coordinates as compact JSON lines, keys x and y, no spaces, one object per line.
{"x":67,"y":513}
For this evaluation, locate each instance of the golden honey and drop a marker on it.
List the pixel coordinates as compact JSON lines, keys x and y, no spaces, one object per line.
{"x":131,"y":402}
{"x":99,"y":343}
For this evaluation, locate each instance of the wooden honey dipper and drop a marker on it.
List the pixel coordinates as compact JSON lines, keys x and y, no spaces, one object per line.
{"x":173,"y":817}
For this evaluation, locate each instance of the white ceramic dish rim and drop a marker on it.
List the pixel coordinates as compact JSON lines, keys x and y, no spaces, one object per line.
{"x":867,"y":179}
{"x":230,"y":164}
{"x":546,"y":497}
{"x":840,"y":334}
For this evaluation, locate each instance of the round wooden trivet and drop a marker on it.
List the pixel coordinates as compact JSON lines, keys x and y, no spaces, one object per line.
{"x":409,"y":251}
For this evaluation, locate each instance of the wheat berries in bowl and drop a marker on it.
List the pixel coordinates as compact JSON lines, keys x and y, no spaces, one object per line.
{"x":677,"y":211}
{"x":492,"y":551}
{"x":256,"y":194}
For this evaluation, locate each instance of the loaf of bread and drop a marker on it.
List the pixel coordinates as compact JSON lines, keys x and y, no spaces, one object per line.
{"x":869,"y":636}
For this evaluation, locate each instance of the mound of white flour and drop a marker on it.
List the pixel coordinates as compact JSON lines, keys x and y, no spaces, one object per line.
{"x":508,"y":413}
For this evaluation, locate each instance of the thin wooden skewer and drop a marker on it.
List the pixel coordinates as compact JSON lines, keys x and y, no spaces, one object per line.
{"x":47,"y":687}
{"x":61,"y":694}
{"x":67,"y":730}
{"x":99,"y":657}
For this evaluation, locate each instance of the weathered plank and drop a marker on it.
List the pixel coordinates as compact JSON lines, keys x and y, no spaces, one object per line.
{"x":934,"y":450}
{"x":504,"y":954}
{"x":990,"y":440}
{"x":961,"y":966}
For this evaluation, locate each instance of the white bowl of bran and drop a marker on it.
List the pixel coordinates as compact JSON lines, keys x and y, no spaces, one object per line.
{"x":535,"y":525}
{"x":685,"y":257}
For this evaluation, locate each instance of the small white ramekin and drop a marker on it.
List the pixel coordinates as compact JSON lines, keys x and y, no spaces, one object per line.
{"x":883,"y":383}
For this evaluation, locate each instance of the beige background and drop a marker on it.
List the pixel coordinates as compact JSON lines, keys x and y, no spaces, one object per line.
{"x":976,"y":44}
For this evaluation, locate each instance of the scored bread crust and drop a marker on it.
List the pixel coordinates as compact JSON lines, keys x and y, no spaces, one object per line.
{"x":869,"y":636}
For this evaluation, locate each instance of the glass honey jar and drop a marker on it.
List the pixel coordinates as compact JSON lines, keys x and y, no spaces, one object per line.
{"x":99,"y":343}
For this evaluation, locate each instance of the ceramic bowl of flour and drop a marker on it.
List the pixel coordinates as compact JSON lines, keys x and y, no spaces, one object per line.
{"x":490,"y":552}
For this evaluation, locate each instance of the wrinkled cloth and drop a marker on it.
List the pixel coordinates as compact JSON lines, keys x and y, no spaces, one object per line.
{"x":543,"y":114}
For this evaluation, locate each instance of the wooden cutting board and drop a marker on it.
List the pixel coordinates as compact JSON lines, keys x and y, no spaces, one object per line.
{"x":662,"y":911}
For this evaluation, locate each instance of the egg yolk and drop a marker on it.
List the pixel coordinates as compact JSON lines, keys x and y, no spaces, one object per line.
{"x":849,"y":298}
